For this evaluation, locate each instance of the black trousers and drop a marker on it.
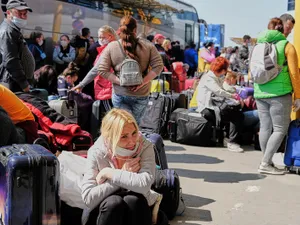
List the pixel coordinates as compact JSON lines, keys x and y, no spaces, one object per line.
{"x":125,"y":208}
{"x":235,"y":119}
{"x":8,"y":131}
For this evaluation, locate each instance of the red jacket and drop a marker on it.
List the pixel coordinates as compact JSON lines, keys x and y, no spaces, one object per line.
{"x":102,"y":86}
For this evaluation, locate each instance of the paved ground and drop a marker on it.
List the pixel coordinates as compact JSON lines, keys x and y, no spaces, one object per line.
{"x":224,"y":188}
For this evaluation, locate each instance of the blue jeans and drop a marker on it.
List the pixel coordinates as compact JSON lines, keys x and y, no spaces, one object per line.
{"x":251,"y":119}
{"x":135,"y":105}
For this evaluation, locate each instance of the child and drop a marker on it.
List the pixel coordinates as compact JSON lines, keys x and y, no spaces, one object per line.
{"x":66,"y":80}
{"x":229,"y":82}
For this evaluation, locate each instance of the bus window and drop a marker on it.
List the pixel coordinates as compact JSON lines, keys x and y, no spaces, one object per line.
{"x":188,"y":33}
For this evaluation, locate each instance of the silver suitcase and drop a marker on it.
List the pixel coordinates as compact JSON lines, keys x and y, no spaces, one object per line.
{"x":65,"y":107}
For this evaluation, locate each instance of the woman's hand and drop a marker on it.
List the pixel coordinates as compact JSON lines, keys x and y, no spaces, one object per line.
{"x":137,"y":87}
{"x":104,"y":174}
{"x":296,"y":105}
{"x":236,"y":96}
{"x":132,"y":165}
{"x":77,"y":88}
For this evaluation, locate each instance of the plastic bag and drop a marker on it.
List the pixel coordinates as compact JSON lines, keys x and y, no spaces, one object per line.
{"x":71,"y":175}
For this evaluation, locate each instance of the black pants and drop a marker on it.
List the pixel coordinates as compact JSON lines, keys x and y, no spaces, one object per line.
{"x":235,"y":119}
{"x":8,"y":131}
{"x":125,"y":208}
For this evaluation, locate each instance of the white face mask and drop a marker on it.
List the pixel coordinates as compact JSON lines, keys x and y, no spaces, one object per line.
{"x":123,"y":152}
{"x":103,"y":42}
{"x":64,"y":43}
{"x":19,"y":22}
{"x":41,"y":42}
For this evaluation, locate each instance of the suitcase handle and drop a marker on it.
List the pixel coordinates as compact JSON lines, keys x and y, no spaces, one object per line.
{"x":5,"y":152}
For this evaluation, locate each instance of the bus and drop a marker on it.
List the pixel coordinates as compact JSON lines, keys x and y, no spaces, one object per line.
{"x":174,"y":19}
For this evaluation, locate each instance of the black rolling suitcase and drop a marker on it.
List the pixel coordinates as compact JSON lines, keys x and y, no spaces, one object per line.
{"x":190,"y":128}
{"x":158,"y":111}
{"x":29,"y":182}
{"x":100,"y":108}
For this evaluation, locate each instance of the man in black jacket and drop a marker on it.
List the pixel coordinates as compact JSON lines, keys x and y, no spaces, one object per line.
{"x":244,"y":54}
{"x":12,"y":72}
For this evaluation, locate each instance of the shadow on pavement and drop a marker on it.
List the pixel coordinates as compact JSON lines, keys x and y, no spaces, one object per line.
{"x":192,"y":158}
{"x":192,"y":211}
{"x":218,"y":177}
{"x":174,"y":148}
{"x":196,"y":201}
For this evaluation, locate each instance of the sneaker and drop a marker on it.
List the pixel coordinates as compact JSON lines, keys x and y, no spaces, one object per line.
{"x":225,"y":142}
{"x":233,"y":147}
{"x":270,"y":169}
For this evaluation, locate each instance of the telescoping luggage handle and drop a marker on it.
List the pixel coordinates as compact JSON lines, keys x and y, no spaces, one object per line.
{"x":162,"y":76}
{"x":70,"y":99}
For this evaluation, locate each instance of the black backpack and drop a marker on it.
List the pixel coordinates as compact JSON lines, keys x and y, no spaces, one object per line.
{"x":167,"y":183}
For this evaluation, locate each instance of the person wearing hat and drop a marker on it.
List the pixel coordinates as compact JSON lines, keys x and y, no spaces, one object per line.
{"x":17,"y":64}
{"x":159,"y":40}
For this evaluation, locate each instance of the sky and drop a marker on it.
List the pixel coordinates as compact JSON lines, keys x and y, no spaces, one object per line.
{"x":239,"y":16}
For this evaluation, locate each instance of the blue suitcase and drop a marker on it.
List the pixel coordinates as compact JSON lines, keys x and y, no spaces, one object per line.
{"x":159,"y":148}
{"x":29,"y":181}
{"x":292,"y":152}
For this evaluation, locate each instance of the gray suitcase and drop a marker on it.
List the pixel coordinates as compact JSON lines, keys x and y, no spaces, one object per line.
{"x":68,"y":108}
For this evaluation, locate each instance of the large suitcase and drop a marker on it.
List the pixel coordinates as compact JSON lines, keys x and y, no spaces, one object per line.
{"x":190,"y":128}
{"x":159,"y":148}
{"x":29,"y":182}
{"x":84,"y":105}
{"x":292,"y":151}
{"x":67,"y":108}
{"x":99,"y":109}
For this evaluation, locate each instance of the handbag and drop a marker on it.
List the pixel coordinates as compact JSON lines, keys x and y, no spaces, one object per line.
{"x":224,"y":107}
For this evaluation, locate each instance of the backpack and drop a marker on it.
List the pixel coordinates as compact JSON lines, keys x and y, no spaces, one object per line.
{"x":130,"y":71}
{"x":263,"y":63}
{"x":167,"y":183}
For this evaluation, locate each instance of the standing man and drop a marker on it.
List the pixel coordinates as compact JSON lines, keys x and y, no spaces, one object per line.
{"x":288,"y":23}
{"x":16,"y":58}
{"x":244,"y":54}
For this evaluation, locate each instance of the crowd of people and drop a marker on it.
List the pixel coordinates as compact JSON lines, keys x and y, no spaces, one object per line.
{"x":121,"y":159}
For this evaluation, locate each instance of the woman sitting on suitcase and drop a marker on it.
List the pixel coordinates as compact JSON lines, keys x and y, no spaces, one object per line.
{"x":66,"y":80}
{"x":211,"y":85}
{"x":119,"y":175}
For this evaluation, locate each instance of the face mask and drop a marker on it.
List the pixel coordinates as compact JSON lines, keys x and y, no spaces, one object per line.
{"x":41,"y":42}
{"x":123,"y":152}
{"x":104,"y":42}
{"x":19,"y":22}
{"x":64,"y":43}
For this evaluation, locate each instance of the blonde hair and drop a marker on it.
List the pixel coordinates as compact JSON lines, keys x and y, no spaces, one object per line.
{"x":231,"y":75}
{"x":113,"y":124}
{"x":165,"y":44}
{"x":108,"y":29}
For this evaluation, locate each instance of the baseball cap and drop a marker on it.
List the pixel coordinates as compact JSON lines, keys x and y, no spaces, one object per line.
{"x":157,"y":36}
{"x":18,"y":5}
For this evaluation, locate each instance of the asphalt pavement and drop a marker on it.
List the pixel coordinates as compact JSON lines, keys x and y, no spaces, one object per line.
{"x":224,"y":188}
